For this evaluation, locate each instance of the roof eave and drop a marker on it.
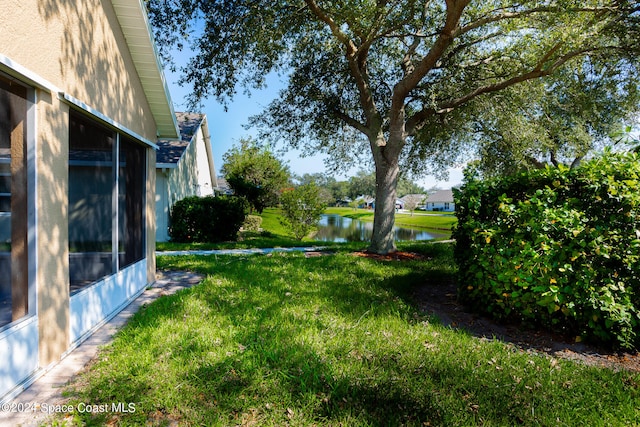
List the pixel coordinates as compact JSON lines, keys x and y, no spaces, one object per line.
{"x":137,"y":31}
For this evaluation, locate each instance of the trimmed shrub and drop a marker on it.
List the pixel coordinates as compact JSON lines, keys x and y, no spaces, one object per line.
{"x":252,"y":223}
{"x":207,"y":219}
{"x":556,"y":247}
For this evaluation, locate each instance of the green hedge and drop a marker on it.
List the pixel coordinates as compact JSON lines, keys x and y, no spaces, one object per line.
{"x":207,"y":219}
{"x":556,"y":247}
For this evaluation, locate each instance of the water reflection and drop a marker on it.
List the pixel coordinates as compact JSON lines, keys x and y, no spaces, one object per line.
{"x":336,"y":228}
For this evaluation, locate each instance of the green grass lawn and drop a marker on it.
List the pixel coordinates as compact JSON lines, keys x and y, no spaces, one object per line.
{"x":427,"y":220}
{"x":327,"y":341}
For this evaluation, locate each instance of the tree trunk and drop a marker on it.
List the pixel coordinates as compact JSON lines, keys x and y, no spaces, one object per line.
{"x":382,"y":240}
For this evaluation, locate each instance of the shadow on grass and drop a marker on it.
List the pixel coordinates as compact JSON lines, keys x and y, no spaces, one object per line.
{"x":333,"y":340}
{"x":314,"y":391}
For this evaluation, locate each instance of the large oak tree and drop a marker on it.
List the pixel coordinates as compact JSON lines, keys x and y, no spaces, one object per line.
{"x":402,"y":77}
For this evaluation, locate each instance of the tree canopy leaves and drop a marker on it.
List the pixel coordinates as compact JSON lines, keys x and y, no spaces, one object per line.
{"x":562,"y":119}
{"x":255,"y":173}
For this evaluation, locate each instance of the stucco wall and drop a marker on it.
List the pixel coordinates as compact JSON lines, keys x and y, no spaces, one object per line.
{"x":52,"y":227}
{"x":204,"y":159}
{"x":193,"y":176}
{"x":190,"y":178}
{"x":80,"y":48}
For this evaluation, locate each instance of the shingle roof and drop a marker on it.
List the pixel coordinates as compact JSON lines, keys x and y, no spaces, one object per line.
{"x":441,"y":196}
{"x":170,"y":152}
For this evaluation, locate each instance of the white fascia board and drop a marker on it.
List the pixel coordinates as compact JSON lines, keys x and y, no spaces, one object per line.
{"x":12,"y":68}
{"x":135,"y":25}
{"x":76,"y":103}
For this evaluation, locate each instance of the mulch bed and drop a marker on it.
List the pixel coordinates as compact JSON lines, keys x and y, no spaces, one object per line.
{"x":395,"y":256}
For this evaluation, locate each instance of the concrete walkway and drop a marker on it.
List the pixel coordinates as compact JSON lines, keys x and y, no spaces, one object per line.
{"x":251,"y":251}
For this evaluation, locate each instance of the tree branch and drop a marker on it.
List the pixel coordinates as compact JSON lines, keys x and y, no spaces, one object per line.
{"x":335,"y":29}
{"x":351,"y":121}
{"x":444,"y":40}
{"x":459,"y":48}
{"x":412,"y":79}
{"x":357,"y":63}
{"x":515,"y":15}
{"x":415,"y":122}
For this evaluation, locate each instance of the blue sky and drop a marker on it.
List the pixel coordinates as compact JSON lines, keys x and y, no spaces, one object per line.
{"x":227,"y":129}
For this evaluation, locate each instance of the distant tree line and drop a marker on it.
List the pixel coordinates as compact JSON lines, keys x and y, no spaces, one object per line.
{"x":255,"y":173}
{"x":262,"y":180}
{"x":363,"y":183}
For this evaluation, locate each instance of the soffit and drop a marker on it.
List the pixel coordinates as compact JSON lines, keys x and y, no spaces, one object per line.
{"x":135,"y":25}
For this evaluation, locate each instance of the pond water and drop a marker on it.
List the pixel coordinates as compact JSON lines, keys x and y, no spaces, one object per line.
{"x":336,"y":228}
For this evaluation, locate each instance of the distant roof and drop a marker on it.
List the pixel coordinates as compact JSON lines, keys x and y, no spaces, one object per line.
{"x":222,"y":182}
{"x":441,"y":196}
{"x":223,"y":185}
{"x":170,"y":152}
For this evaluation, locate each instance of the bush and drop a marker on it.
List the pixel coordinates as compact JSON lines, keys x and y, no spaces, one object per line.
{"x":207,"y":219}
{"x":556,"y":247}
{"x":301,"y":209}
{"x":252,"y":223}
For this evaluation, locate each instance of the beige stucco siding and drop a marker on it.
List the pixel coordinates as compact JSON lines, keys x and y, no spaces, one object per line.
{"x":52,"y":227}
{"x":80,"y":48}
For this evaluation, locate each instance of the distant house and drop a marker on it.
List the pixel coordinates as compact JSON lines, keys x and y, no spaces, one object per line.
{"x":184,"y":168}
{"x":223,"y":187}
{"x":441,"y":200}
{"x":83,"y":101}
{"x":366,"y":202}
